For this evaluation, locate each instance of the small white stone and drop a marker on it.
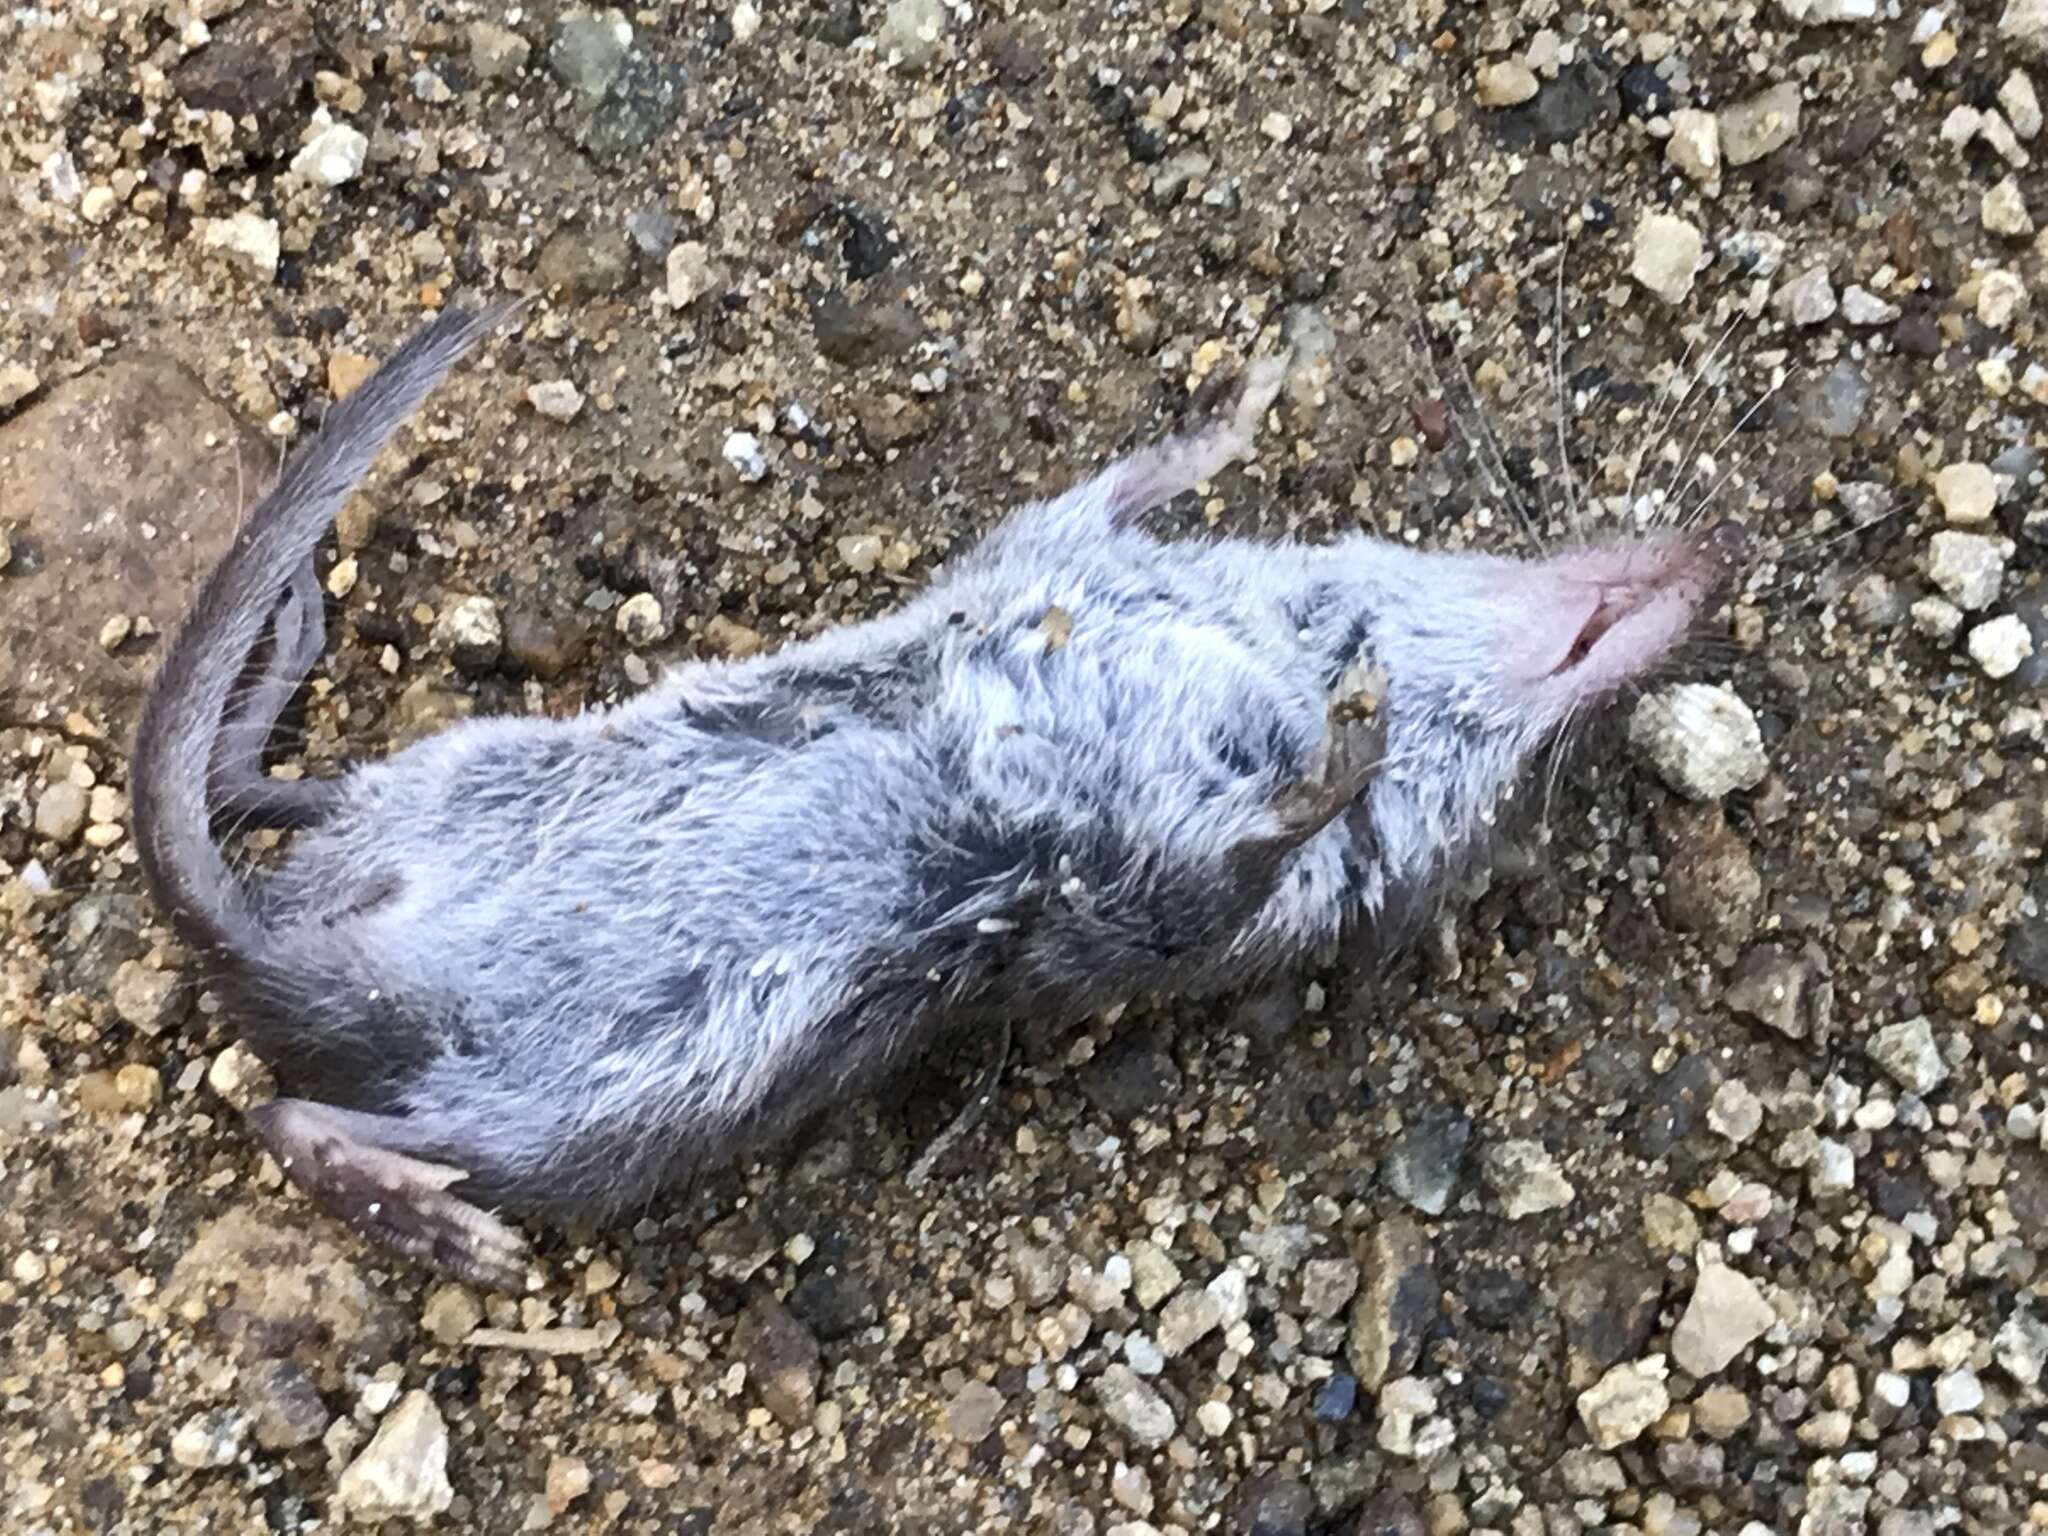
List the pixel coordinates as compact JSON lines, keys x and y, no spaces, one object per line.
{"x":1937,"y":618}
{"x":1505,"y":83}
{"x":1959,"y":1391}
{"x":1754,"y":127}
{"x":2000,"y":296}
{"x":746,"y":22}
{"x":1999,"y":645}
{"x":1277,"y":126}
{"x":98,"y":205}
{"x":1701,"y":739}
{"x":248,"y":241}
{"x":1525,"y":1179}
{"x":1862,"y":307}
{"x":1695,"y":144}
{"x":1726,"y":1315}
{"x":556,"y":399}
{"x":1626,"y":1401}
{"x":1825,"y":13}
{"x":743,"y":452}
{"x":1668,"y":252}
{"x":470,"y":623}
{"x":333,"y":156}
{"x":1808,"y":299}
{"x":2003,"y":211}
{"x":1969,"y":568}
{"x":403,"y":1472}
{"x":641,"y":620}
{"x":2021,"y":105}
{"x":1967,"y":492}
{"x":689,"y":273}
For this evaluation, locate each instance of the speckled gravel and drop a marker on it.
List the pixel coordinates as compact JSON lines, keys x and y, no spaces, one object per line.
{"x":1686,"y":1177}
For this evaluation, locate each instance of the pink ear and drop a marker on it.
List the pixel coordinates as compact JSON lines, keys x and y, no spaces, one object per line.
{"x":1543,"y":611}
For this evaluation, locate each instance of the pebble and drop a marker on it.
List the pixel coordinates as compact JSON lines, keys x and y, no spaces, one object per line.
{"x":1968,"y":567}
{"x":249,"y":242}
{"x":781,"y":1358}
{"x":1999,"y":646}
{"x":1327,"y":1286}
{"x":1720,"y":1411}
{"x":1154,"y":1276}
{"x":1908,"y":1055}
{"x":470,"y":624}
{"x":332,"y":157}
{"x":1824,"y":13}
{"x":1968,"y":492}
{"x":1668,"y":252}
{"x":1835,"y":402}
{"x":1669,"y":1225}
{"x":1735,"y":1113}
{"x":1525,"y":1179}
{"x":1505,"y":83}
{"x":1808,"y":299}
{"x":1959,"y":1391}
{"x":60,"y":812}
{"x":1135,"y":1408}
{"x":2003,"y":211}
{"x":1336,"y":1399}
{"x":973,"y":1412}
{"x":1695,"y":145}
{"x":913,"y":32}
{"x":1700,"y":738}
{"x":1937,"y":618}
{"x":1626,"y":1401}
{"x":207,"y":1440}
{"x":1862,"y":307}
{"x":688,"y":273}
{"x":402,"y":1474}
{"x":641,"y":621}
{"x":284,"y":1408}
{"x":1398,"y":1300}
{"x":2020,"y":103}
{"x":742,"y":451}
{"x":1193,"y":1315}
{"x":1726,"y":1315}
{"x":2000,"y":297}
{"x":556,"y":399}
{"x":1423,"y":1163}
{"x":2021,"y":1346}
{"x":451,"y":1314}
{"x":1771,"y":986}
{"x":1754,"y":127}
{"x":1403,"y":1404}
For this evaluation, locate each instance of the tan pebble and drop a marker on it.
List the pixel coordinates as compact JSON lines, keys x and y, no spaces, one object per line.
{"x":346,"y":372}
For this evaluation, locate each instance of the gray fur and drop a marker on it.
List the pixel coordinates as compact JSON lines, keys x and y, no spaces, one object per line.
{"x":579,"y":960}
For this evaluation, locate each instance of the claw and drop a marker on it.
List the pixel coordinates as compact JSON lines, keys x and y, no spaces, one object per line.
{"x":397,"y":1201}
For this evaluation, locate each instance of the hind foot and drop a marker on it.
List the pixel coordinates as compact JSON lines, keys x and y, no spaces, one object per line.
{"x":1157,"y":474}
{"x":399,"y":1202}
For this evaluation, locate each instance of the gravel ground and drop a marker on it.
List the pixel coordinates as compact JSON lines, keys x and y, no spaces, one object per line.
{"x":1688,"y":1178}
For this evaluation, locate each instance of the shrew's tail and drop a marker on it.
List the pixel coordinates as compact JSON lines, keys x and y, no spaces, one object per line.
{"x":188,"y":704}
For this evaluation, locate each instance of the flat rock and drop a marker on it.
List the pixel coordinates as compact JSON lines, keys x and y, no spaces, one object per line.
{"x":118,"y":490}
{"x":271,"y":1289}
{"x":1726,"y":1315}
{"x":402,"y":1474}
{"x":1398,"y":1300}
